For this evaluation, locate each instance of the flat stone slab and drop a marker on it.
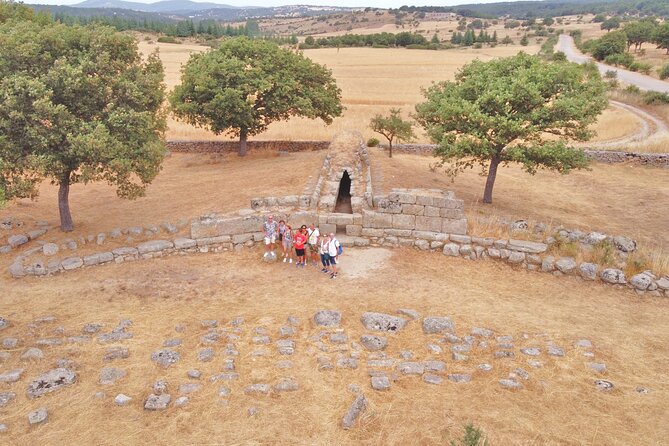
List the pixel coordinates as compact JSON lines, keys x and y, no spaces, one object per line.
{"x":11,"y":376}
{"x":358,"y":406}
{"x":51,"y":381}
{"x":432,"y":379}
{"x":165,"y":357}
{"x":510,"y":384}
{"x":157,"y":402}
{"x":287,"y":384}
{"x":437,"y":324}
{"x":122,"y":400}
{"x":411,"y":368}
{"x":527,"y":246}
{"x":530,"y":351}
{"x":6,"y":398}
{"x":382,"y":322}
{"x":380,"y":383}
{"x":374,"y":343}
{"x":327,"y":318}
{"x":604,"y":385}
{"x":109,"y":375}
{"x":459,"y":378}
{"x":257,"y":389}
{"x":154,"y":246}
{"x":38,"y":416}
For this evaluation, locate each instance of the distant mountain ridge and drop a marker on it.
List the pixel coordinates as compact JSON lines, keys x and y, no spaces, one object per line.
{"x":161,"y":6}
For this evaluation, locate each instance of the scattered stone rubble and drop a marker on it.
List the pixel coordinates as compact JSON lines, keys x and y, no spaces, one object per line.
{"x":326,"y":345}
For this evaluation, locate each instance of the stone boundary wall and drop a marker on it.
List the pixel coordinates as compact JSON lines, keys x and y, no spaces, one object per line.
{"x":233,"y":146}
{"x":225,"y":233}
{"x":602,"y":156}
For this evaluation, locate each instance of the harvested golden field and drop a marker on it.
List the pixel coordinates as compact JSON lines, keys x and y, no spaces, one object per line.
{"x":372,"y":82}
{"x":557,"y":405}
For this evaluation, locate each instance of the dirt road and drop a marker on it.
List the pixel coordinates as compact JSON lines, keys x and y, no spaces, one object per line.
{"x":567,"y":46}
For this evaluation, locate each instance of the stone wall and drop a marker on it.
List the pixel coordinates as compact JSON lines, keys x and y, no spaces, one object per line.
{"x":233,"y":146}
{"x":602,"y":156}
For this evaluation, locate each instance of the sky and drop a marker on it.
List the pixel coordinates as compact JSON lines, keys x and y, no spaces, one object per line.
{"x":351,"y":3}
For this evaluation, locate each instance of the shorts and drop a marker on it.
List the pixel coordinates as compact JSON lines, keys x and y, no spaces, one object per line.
{"x":313,"y":247}
{"x":280,"y":237}
{"x":299,"y":252}
{"x":332,"y":260}
{"x":269,"y":240}
{"x":325,"y":259}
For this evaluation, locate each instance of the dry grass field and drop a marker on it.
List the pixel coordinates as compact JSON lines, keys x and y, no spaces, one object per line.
{"x":558,"y":405}
{"x":372,"y":81}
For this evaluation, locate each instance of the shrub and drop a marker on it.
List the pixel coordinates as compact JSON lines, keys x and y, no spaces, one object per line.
{"x":633,"y":89}
{"x":603,"y":253}
{"x":373,"y":142}
{"x":611,"y":74}
{"x":655,"y":98}
{"x":559,"y":56}
{"x":473,"y":437}
{"x":564,"y":247}
{"x":640,"y":67}
{"x":664,"y":72}
{"x":624,"y":60}
{"x":167,"y":39}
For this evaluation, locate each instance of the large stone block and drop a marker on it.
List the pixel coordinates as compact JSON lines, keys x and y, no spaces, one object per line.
{"x":398,"y":232}
{"x":213,"y":240}
{"x":204,"y":228}
{"x":432,"y":224}
{"x":426,"y":235}
{"x":402,"y":197}
{"x":449,"y":203}
{"x":154,"y":246}
{"x":372,"y":232}
{"x":413,"y":209}
{"x":327,"y":228}
{"x":376,"y":220}
{"x":235,"y":225}
{"x":95,"y":259}
{"x":300,"y":218}
{"x":452,"y":213}
{"x":354,"y":230}
{"x":389,"y":207}
{"x":454,"y":226}
{"x":340,"y":219}
{"x":401,"y":221}
{"x":432,"y":211}
{"x":424,"y":200}
{"x":527,"y":246}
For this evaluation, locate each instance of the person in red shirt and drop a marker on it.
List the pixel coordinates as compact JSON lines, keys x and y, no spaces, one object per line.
{"x":298,"y":241}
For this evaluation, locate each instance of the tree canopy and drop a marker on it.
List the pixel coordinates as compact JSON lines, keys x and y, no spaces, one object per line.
{"x":77,"y":104}
{"x":661,"y":37}
{"x":245,"y":85}
{"x":501,"y":111}
{"x":392,"y":127}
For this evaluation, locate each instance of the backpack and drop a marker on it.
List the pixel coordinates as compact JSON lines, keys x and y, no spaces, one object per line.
{"x":340,"y":250}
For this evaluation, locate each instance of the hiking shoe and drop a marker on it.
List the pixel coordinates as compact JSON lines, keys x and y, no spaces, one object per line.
{"x":284,"y":260}
{"x":290,"y":260}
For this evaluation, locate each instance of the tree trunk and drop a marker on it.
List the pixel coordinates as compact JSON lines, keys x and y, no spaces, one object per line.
{"x":390,"y":148}
{"x":66,"y":224}
{"x":490,"y":182}
{"x":243,"y":135}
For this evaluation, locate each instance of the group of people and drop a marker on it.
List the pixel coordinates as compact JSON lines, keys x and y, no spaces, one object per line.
{"x":325,"y":248}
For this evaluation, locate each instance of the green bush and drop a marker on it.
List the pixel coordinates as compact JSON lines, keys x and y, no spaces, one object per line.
{"x":664,"y":72}
{"x":632,"y":89}
{"x":167,"y":39}
{"x":655,"y":98}
{"x":373,"y":142}
{"x":473,"y":437}
{"x":624,"y":60}
{"x":611,"y":74}
{"x":640,"y":67}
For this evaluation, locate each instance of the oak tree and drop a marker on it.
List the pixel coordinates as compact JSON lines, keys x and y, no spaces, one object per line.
{"x":244,"y":85}
{"x":503,"y":111}
{"x":77,"y":104}
{"x":392,"y":127}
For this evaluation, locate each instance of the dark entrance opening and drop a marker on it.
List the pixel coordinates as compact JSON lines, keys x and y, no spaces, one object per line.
{"x":343,"y":204}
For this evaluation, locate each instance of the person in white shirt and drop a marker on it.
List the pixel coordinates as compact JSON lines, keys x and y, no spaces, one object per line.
{"x":324,"y":252}
{"x":313,"y":235}
{"x":333,"y":253}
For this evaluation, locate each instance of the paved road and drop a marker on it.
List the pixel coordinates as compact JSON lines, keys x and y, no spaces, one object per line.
{"x":567,"y":46}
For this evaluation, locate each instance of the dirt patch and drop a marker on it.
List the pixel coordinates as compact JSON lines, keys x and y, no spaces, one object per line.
{"x":363,"y":263}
